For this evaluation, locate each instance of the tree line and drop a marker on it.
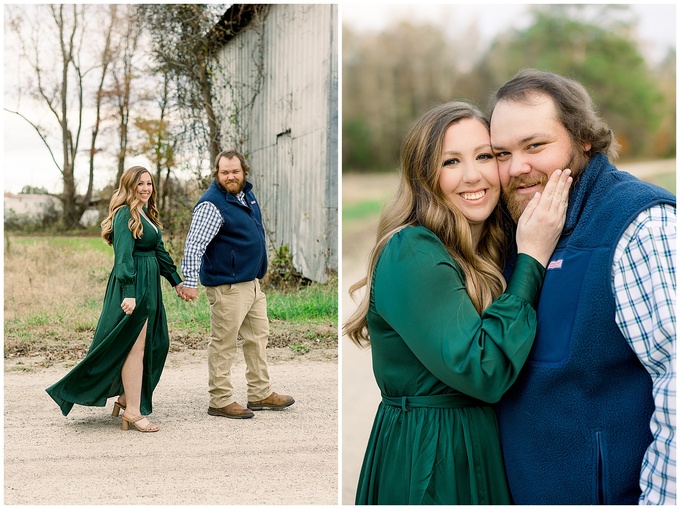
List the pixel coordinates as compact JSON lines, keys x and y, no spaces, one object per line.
{"x":109,"y":82}
{"x":391,"y":77}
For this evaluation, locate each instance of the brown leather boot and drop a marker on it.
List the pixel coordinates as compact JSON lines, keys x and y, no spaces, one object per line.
{"x":233,"y":411}
{"x":272,"y":402}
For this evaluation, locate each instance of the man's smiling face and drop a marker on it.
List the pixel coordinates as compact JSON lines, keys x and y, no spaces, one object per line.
{"x":530,"y":143}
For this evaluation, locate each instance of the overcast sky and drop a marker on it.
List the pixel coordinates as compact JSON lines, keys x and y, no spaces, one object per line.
{"x":27,"y":161}
{"x":656,"y":22}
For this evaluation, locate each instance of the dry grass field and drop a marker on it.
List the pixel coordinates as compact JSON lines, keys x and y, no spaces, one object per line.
{"x":45,"y":288}
{"x":54,"y":287}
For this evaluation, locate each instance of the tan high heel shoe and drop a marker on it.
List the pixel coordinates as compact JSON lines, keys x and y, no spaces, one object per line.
{"x":117,"y":407}
{"x":127,"y":421}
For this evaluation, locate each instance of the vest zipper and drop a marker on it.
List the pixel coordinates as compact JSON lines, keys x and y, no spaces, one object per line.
{"x":601,"y":492}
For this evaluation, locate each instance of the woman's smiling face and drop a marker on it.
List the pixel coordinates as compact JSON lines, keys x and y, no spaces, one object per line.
{"x":469,"y":174}
{"x":144,"y":188}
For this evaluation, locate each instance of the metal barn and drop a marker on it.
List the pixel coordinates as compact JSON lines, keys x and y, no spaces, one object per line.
{"x":278,"y":96}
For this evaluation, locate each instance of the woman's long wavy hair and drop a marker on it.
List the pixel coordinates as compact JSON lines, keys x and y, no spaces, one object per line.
{"x":126,"y":194}
{"x":420,"y":202}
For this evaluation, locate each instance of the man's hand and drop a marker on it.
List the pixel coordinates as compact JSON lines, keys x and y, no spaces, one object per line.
{"x":189,"y":294}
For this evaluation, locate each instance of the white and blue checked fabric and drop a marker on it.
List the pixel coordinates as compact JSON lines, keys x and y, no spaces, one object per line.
{"x":644,"y":288}
{"x":205,"y":224}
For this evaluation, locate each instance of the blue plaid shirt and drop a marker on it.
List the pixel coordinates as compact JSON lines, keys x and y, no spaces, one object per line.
{"x":205,"y":224}
{"x":644,"y":288}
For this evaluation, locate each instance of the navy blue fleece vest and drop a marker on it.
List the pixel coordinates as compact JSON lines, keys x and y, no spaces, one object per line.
{"x":575,"y":425}
{"x":238,"y":252}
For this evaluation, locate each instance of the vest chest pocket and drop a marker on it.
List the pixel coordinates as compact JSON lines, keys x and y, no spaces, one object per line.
{"x":558,"y":306}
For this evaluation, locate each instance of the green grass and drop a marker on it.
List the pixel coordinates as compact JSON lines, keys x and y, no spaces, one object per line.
{"x":187,"y":317}
{"x":665,"y":180}
{"x":310,"y":304}
{"x":362,"y":209}
{"x":54,"y":288}
{"x":90,"y":243}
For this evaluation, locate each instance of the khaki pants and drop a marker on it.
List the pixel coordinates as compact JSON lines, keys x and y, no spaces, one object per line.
{"x":237,"y":310}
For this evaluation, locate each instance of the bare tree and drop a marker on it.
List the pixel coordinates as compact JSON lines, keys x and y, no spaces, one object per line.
{"x":157,"y":143}
{"x":123,"y":73}
{"x":105,"y":58}
{"x":53,"y":50}
{"x":180,"y":45}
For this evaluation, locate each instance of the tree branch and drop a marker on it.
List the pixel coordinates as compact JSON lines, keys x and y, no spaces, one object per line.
{"x":37,"y":129}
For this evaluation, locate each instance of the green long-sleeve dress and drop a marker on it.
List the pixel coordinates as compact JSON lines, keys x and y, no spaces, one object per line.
{"x":138,"y":265}
{"x":440,"y":366}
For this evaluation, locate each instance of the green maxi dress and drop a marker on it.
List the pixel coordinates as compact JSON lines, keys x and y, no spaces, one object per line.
{"x":138,"y":265}
{"x":439,"y":367}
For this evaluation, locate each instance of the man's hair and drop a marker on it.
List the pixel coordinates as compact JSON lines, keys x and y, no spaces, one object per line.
{"x":575,"y":108}
{"x":229,"y":154}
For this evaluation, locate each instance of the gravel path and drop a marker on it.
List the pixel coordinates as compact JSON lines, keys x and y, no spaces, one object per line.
{"x":360,"y":393}
{"x":278,"y":457}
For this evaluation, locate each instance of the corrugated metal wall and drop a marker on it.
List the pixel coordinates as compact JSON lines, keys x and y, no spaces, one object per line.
{"x":280,"y":97}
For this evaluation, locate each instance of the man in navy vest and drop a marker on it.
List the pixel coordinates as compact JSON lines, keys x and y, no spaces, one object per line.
{"x":591,"y":417}
{"x":226,"y":247}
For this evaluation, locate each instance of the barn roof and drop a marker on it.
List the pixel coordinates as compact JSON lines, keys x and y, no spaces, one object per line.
{"x":232,"y":22}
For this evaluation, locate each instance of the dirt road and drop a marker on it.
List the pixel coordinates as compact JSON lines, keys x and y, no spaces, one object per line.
{"x":278,"y":457}
{"x":360,"y":393}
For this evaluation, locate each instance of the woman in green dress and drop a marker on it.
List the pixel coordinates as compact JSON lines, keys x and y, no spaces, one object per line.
{"x":448,"y":336}
{"x":131,"y":340}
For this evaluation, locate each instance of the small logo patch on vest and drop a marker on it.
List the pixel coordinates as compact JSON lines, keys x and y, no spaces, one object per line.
{"x":555,"y":264}
{"x":253,"y":202}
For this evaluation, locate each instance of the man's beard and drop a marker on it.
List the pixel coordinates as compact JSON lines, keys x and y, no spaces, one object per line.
{"x":241,"y":185}
{"x":516,"y":203}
